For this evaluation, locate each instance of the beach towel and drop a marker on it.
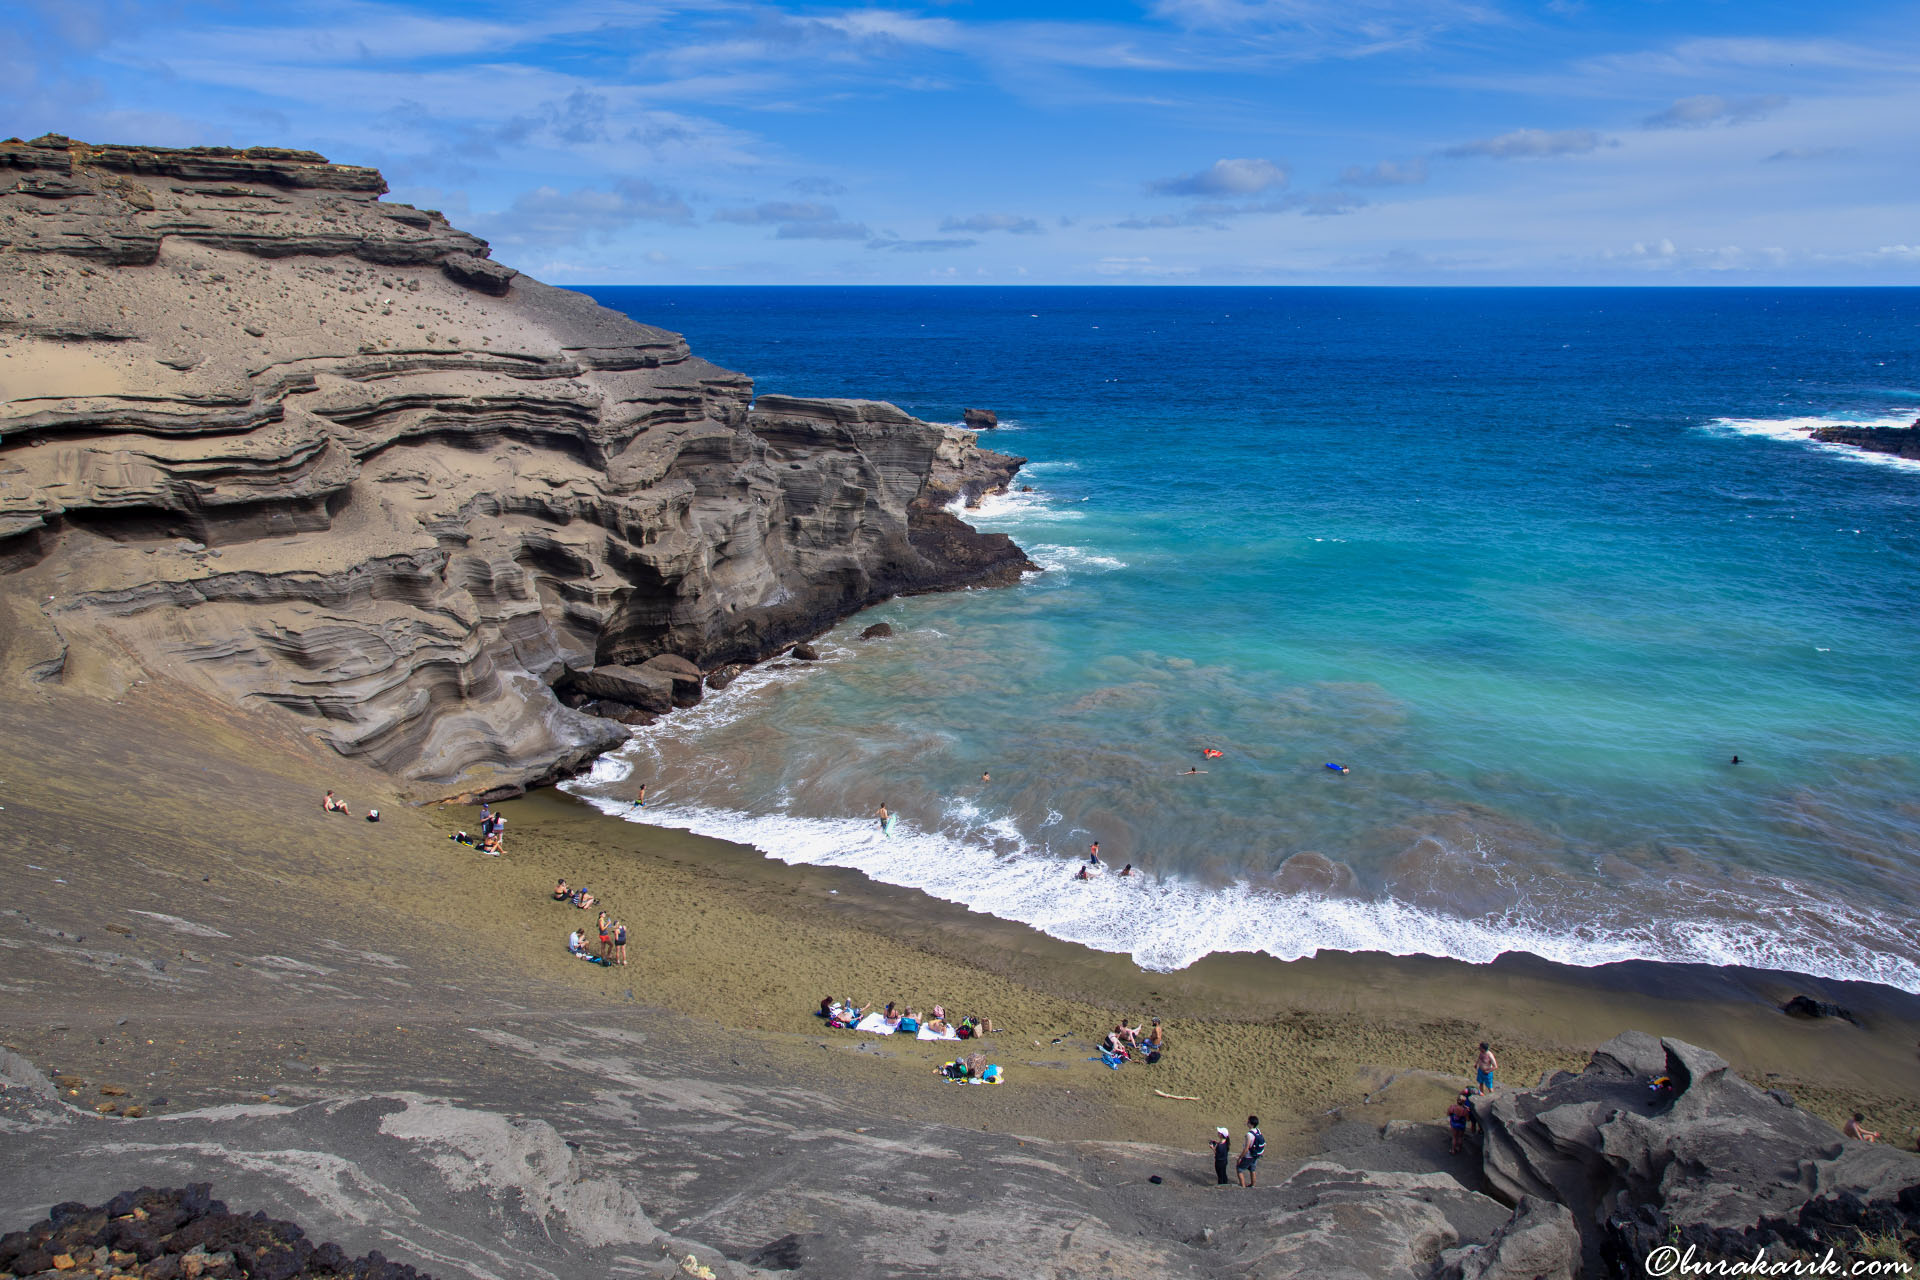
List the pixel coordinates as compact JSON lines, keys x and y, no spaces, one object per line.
{"x":875,"y":1023}
{"x":926,"y":1034}
{"x":1111,"y":1059}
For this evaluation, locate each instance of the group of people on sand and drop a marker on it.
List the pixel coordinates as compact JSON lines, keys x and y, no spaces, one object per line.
{"x":606,"y":942}
{"x":1251,"y":1150}
{"x":493,"y":833}
{"x":331,"y":803}
{"x":895,"y":1017}
{"x":1463,"y":1116}
{"x":1134,"y":1044}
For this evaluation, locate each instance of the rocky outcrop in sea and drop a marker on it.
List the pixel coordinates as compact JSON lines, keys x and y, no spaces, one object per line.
{"x":1901,"y":442}
{"x":267,"y":433}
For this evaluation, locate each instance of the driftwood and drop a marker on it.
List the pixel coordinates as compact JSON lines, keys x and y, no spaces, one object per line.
{"x":1178,"y":1097}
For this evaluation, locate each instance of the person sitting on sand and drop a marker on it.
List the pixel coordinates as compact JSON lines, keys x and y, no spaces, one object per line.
{"x":1156,"y":1040}
{"x":938,"y":1022}
{"x":1855,"y":1128}
{"x":330,"y":805}
{"x":1113,"y":1043}
{"x":577,"y":944}
{"x":890,"y":1016}
{"x":587,"y":901}
{"x":909,"y":1024}
{"x":560,"y":891}
{"x":491,"y":845}
{"x":1130,"y":1034}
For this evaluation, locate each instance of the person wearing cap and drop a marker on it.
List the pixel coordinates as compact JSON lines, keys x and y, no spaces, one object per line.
{"x":1222,"y":1144}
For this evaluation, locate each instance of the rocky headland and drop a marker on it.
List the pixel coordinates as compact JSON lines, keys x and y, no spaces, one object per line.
{"x":1901,"y":442}
{"x":268,"y":434}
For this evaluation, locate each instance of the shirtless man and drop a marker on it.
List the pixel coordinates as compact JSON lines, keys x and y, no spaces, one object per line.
{"x":884,"y":815}
{"x":1855,"y":1128}
{"x":642,"y":797}
{"x":1483,"y":1068}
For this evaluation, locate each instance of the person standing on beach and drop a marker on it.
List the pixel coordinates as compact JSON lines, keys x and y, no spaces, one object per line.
{"x":619,"y":942}
{"x":1251,"y":1153}
{"x":1093,"y":854}
{"x":884,"y":815}
{"x":1483,"y":1068}
{"x":1457,"y":1120}
{"x":1222,"y":1144}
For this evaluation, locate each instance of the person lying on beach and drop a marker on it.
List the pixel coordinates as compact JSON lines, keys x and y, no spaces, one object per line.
{"x":560,"y":891}
{"x":1855,"y":1128}
{"x":330,"y":805}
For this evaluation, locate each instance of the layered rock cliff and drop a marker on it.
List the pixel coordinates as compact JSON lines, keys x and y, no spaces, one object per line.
{"x":265,"y":432}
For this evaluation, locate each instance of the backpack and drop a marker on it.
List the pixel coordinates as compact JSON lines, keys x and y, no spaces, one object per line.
{"x":1257,"y":1144}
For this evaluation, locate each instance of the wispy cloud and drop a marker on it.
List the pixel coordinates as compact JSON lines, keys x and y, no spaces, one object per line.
{"x":1789,"y":154}
{"x":1705,"y":109}
{"x":546,"y":215}
{"x":1385,"y":174}
{"x":920,"y":246}
{"x":1525,"y":144}
{"x":1011,"y":223}
{"x":1224,"y":178}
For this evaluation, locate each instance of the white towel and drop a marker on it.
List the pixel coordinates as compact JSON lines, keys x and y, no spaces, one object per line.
{"x":928,"y":1034}
{"x":875,"y":1023}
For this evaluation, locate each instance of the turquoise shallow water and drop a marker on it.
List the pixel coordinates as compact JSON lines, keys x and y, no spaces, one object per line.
{"x":1533,"y":564}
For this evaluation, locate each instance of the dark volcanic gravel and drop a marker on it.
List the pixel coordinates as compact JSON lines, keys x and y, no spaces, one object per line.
{"x":179,"y":1235}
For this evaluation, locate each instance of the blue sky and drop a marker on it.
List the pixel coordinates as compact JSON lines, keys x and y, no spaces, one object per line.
{"x":1182,"y":141}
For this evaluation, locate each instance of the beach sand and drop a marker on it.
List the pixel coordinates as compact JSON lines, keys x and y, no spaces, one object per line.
{"x":156,"y":806}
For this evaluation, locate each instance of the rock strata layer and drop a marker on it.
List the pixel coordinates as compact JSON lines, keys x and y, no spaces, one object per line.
{"x":264,"y":432}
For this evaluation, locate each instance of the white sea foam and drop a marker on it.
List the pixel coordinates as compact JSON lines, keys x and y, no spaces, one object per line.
{"x":1800,"y":430}
{"x":1013,"y":510}
{"x":1169,"y":923}
{"x":1049,"y":556}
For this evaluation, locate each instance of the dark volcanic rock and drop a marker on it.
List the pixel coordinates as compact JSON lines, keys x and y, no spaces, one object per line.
{"x":1901,"y":442}
{"x":1808,"y":1007}
{"x":805,"y":653}
{"x":980,"y":419}
{"x":322,"y":454}
{"x":1713,"y":1154}
{"x":176,"y":1233}
{"x":878,"y":631}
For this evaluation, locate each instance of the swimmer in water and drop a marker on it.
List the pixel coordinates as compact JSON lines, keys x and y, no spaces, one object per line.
{"x":1189,"y":773}
{"x":1736,"y":759}
{"x":1083,"y":875}
{"x":985,"y":776}
{"x":1127,"y":870}
{"x":884,"y":815}
{"x":642,"y":797}
{"x":1337,"y":768}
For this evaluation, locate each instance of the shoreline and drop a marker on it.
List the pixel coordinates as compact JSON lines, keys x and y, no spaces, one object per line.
{"x":1324,"y":1031}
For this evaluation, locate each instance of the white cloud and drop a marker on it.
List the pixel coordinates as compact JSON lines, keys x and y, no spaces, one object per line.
{"x":1530,"y":144}
{"x":1385,"y":174}
{"x":548,"y":216}
{"x":1224,"y":178}
{"x":1704,"y":109}
{"x":1011,"y":223}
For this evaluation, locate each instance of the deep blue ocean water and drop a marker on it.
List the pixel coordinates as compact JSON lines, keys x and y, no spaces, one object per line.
{"x":1533,"y":564}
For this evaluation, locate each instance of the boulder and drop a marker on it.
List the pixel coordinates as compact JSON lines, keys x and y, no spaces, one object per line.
{"x":878,"y":631}
{"x":980,"y":419}
{"x":641,"y":687}
{"x":1539,"y":1242}
{"x":687,"y":680}
{"x":721,"y":677}
{"x":1808,"y":1007}
{"x":805,"y":653}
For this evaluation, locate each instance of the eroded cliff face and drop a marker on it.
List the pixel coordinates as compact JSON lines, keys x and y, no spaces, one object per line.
{"x":263,"y":432}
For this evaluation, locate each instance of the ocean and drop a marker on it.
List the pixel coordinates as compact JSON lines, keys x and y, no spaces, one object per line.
{"x":1534,"y":565}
